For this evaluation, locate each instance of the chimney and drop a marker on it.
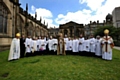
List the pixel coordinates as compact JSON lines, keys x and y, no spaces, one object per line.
{"x":97,"y":21}
{"x":90,"y":22}
{"x":104,"y":21}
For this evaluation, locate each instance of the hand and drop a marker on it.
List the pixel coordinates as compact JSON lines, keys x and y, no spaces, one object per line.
{"x":28,"y":46}
{"x":42,"y":44}
{"x":106,"y":42}
{"x":86,"y":46}
{"x":80,"y":43}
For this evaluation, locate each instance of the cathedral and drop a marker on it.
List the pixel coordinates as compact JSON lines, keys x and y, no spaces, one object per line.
{"x":14,"y":19}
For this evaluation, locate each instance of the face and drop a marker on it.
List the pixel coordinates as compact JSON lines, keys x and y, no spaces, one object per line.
{"x":81,"y":35}
{"x":23,"y":36}
{"x":50,"y":37}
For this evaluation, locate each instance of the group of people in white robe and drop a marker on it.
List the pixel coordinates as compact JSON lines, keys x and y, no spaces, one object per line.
{"x":101,"y":47}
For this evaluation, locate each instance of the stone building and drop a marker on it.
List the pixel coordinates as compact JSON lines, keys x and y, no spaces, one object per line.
{"x":116,"y":17}
{"x":53,"y":31}
{"x":14,"y":19}
{"x":71,"y":29}
{"x":92,"y":26}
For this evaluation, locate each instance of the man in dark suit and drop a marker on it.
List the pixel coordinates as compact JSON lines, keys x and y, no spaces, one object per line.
{"x":22,"y":46}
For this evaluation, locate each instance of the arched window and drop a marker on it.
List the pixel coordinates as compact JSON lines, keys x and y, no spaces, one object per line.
{"x":3,"y":19}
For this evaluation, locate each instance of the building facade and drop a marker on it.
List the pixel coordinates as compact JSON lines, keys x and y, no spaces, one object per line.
{"x":116,"y":17}
{"x":92,"y":26}
{"x":53,"y":32}
{"x":14,"y":19}
{"x":71,"y":29}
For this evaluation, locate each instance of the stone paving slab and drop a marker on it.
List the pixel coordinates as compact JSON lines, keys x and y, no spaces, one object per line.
{"x":116,"y":47}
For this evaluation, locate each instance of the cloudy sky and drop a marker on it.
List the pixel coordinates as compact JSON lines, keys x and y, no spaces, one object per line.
{"x":56,"y":12}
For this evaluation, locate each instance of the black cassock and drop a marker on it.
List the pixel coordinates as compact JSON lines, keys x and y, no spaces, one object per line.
{"x":22,"y":47}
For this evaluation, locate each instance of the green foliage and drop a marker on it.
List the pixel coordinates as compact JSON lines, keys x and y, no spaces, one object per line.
{"x":100,"y":30}
{"x":53,"y":67}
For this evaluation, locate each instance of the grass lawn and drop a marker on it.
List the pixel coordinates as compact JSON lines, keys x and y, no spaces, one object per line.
{"x":53,"y":67}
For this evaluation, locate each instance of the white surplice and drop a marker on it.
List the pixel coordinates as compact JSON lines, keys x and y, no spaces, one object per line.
{"x":86,"y":45}
{"x":42,"y":44}
{"x":65,"y":40}
{"x":14,"y":49}
{"x":92,"y":45}
{"x":55,"y":41}
{"x":28,"y":45}
{"x":107,"y":55}
{"x":34,"y":45}
{"x":69,"y":44}
{"x":50,"y":44}
{"x":98,"y":50}
{"x":81,"y":40}
{"x":75,"y":43}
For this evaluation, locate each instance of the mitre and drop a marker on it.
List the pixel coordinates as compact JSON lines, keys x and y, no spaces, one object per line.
{"x":18,"y":34}
{"x":106,"y":31}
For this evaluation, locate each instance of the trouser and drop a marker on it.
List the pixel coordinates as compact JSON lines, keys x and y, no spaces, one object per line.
{"x":69,"y":52}
{"x":55,"y":52}
{"x":51,"y":52}
{"x":75,"y":53}
{"x":28,"y":54}
{"x":22,"y":52}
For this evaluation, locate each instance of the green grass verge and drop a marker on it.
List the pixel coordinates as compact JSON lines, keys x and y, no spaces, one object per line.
{"x":53,"y":67}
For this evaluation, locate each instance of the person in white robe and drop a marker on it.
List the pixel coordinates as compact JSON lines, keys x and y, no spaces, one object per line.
{"x":55,"y":44}
{"x":42,"y":45}
{"x":75,"y":44}
{"x":38,"y":40}
{"x":98,"y":47}
{"x":69,"y":46}
{"x":86,"y":47}
{"x":107,"y":45}
{"x":28,"y":45}
{"x":34,"y":46}
{"x":65,"y":40}
{"x":15,"y":48}
{"x":81,"y":40}
{"x":92,"y":45}
{"x":50,"y":45}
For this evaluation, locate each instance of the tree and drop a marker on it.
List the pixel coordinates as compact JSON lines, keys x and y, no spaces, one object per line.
{"x":100,"y":31}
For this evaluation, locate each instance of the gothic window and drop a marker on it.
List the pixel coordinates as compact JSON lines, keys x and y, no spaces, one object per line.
{"x":3,"y":19}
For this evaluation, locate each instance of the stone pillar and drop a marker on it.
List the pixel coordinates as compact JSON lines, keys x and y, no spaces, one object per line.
{"x":9,"y":25}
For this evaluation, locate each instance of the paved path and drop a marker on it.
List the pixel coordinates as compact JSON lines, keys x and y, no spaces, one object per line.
{"x":116,"y":47}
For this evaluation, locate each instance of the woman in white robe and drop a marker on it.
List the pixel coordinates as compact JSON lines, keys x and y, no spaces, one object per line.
{"x":15,"y":48}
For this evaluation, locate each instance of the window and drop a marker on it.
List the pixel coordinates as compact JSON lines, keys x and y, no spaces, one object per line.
{"x":3,"y":19}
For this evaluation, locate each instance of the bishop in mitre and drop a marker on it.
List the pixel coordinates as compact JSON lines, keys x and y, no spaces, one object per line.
{"x":15,"y":48}
{"x":61,"y":45}
{"x":107,"y":45}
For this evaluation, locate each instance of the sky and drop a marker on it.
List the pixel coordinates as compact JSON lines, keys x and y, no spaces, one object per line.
{"x":56,"y":12}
